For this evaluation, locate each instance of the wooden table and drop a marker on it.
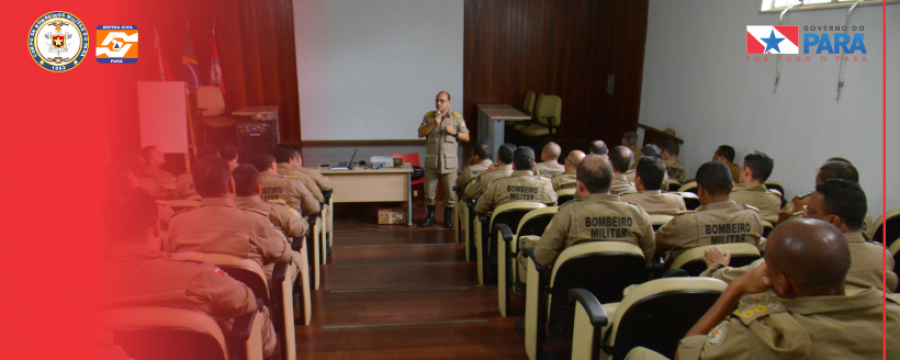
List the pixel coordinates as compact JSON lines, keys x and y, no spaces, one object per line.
{"x":492,"y":120}
{"x":372,"y":185}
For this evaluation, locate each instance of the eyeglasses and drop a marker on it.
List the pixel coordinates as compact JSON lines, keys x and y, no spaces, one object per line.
{"x":441,"y":101}
{"x":808,"y":211}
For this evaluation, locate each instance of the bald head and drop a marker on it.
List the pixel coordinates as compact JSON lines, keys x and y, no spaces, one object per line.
{"x":595,"y":173}
{"x":574,"y":159}
{"x":807,"y":257}
{"x":598,"y":147}
{"x":551,"y":151}
{"x":621,"y":158}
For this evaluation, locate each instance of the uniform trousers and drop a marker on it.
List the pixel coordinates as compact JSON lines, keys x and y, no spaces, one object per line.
{"x":431,"y":185}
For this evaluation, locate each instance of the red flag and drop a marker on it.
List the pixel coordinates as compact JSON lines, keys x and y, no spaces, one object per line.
{"x":215,"y":68}
{"x":161,"y":70}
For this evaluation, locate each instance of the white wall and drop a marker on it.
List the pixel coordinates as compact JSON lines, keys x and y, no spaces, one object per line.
{"x":696,"y":80}
{"x":370,"y":69}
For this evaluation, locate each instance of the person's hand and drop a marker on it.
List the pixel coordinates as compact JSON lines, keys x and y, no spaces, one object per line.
{"x":715,"y":256}
{"x":754,"y":281}
{"x":452,"y":130}
{"x":492,"y":167}
{"x":438,"y":117}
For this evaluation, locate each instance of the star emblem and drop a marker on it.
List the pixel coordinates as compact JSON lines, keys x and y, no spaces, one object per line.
{"x":772,"y":42}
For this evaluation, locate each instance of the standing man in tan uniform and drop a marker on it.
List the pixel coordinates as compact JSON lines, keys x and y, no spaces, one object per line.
{"x":717,"y":221}
{"x":277,"y":186}
{"x":832,"y":169}
{"x":650,"y":172}
{"x":620,"y":159}
{"x":503,"y":168}
{"x":674,"y":168}
{"x":443,"y":131}
{"x":138,"y":274}
{"x":629,"y":140}
{"x":184,"y":186}
{"x":809,"y":316}
{"x":478,"y":163}
{"x":725,"y":154}
{"x":549,"y":165}
{"x":284,"y":163}
{"x":752,"y":189}
{"x":321,"y":180}
{"x":567,"y":180}
{"x":522,"y":185}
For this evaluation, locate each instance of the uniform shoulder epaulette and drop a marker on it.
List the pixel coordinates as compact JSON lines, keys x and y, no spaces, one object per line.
{"x":457,"y":114}
{"x":185,"y":256}
{"x":759,"y":308}
{"x":429,"y":113}
{"x":291,"y":177}
{"x":263,"y":213}
{"x":278,"y":201}
{"x":182,"y":211}
{"x":161,"y":202}
{"x":750,"y":207}
{"x":803,"y":195}
{"x":682,"y":212}
{"x":633,"y":203}
{"x":569,"y":202}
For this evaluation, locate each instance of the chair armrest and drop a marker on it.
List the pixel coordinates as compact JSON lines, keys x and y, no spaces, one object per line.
{"x":296,"y":244}
{"x":529,"y":253}
{"x":311,"y":220}
{"x":675,"y":273}
{"x":244,"y":324}
{"x":327,"y":195}
{"x":505,"y":232}
{"x":470,"y":203}
{"x":279,"y":273}
{"x":484,"y":219}
{"x":591,"y":306}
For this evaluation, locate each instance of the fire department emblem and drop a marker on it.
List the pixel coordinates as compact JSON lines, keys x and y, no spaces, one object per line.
{"x":58,"y":41}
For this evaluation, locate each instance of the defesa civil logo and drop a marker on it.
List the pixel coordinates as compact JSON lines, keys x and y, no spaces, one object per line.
{"x":117,"y":44}
{"x":818,"y":40}
{"x":58,"y":41}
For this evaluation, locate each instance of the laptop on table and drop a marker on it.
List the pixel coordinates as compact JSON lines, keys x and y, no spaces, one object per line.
{"x":346,"y":165}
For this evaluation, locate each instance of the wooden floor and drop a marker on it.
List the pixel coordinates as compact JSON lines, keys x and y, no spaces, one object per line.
{"x":399,"y":292}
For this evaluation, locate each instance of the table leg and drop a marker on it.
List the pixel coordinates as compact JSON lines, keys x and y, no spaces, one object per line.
{"x":409,"y":200}
{"x":497,"y":129}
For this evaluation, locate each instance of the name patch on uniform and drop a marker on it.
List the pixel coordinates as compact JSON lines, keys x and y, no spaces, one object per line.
{"x":270,"y":193}
{"x":728,"y":233}
{"x":567,"y":186}
{"x":608,"y":227}
{"x":521,"y":193}
{"x":548,"y":173}
{"x":675,"y":173}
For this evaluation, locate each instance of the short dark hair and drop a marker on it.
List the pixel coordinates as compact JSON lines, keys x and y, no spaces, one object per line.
{"x":297,"y":150}
{"x":211,"y":176}
{"x":726,"y":152}
{"x":598,"y":147}
{"x":846,"y":200}
{"x":595,"y":173}
{"x":482,"y":151}
{"x":444,"y":92}
{"x":261,"y":158}
{"x":715,"y":178}
{"x":839,"y":159}
{"x":836,"y":169}
{"x":524,"y":158}
{"x":207,"y":150}
{"x":760,"y":165}
{"x":507,"y":153}
{"x":652,"y":171}
{"x":630,"y":137}
{"x":246,"y":178}
{"x":283,"y":153}
{"x":651,"y":150}
{"x":128,"y":212}
{"x":228,"y":152}
{"x":621,"y":158}
{"x":671,"y":147}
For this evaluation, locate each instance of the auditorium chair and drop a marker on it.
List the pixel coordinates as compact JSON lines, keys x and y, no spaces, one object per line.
{"x":604,"y":268}
{"x":528,"y":107}
{"x":654,"y":315}
{"x":211,"y":102}
{"x":314,"y":252}
{"x":767,"y":228}
{"x":691,"y":200}
{"x":891,"y":226}
{"x":895,"y":252}
{"x":519,"y":125}
{"x":161,"y":333}
{"x":742,"y":254}
{"x":279,"y":296}
{"x":690,"y":186}
{"x":458,"y":213}
{"x":532,"y":225}
{"x":776,"y":187}
{"x":485,"y":243}
{"x":546,"y":119}
{"x":565,"y":195}
{"x":467,"y":206}
{"x":658,"y":220}
{"x":329,"y":228}
{"x":674,"y":184}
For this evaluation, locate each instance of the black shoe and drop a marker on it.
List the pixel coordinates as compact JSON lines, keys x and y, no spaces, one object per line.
{"x":429,"y":220}
{"x":448,"y":218}
{"x":328,"y":253}
{"x":520,"y":325}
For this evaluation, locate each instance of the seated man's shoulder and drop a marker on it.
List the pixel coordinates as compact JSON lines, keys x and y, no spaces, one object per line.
{"x":184,"y":257}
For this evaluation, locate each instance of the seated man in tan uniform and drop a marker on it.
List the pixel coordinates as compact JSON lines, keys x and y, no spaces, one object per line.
{"x":717,"y":221}
{"x":229,"y":152}
{"x":725,"y":154}
{"x":620,"y":159}
{"x":522,"y":185}
{"x":567,"y":179}
{"x":503,"y":168}
{"x":277,"y":186}
{"x":806,"y":315}
{"x":674,"y":168}
{"x":831,"y":169}
{"x":138,"y":274}
{"x":247,"y":196}
{"x":651,"y":151}
{"x":843,"y":204}
{"x":184,"y":186}
{"x":650,"y":172}
{"x":284,"y":163}
{"x":752,"y":189}
{"x":478,"y":163}
{"x":629,"y":140}
{"x":321,"y":180}
{"x":549,"y":165}
{"x":154,"y":159}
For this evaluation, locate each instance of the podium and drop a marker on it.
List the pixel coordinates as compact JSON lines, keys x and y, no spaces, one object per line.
{"x":656,"y":137}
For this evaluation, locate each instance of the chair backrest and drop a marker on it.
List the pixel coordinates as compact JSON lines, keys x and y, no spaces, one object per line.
{"x":412,"y":159}
{"x":549,"y":106}
{"x":564,"y":196}
{"x":165,"y":333}
{"x":536,"y":221}
{"x":658,"y":220}
{"x":510,"y":214}
{"x":530,"y":97}
{"x":211,"y":99}
{"x":742,"y":254}
{"x":244,"y":270}
{"x":891,"y":226}
{"x":691,"y":200}
{"x":690,"y":186}
{"x":894,"y":249}
{"x":767,"y":228}
{"x":674,"y":184}
{"x":774,"y":185}
{"x":657,"y":314}
{"x":537,"y":107}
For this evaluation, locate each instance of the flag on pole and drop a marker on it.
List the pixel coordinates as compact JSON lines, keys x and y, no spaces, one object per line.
{"x":189,"y":62}
{"x":161,"y":70}
{"x":215,"y":68}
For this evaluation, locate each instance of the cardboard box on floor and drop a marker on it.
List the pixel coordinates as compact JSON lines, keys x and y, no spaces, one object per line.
{"x":391,"y":216}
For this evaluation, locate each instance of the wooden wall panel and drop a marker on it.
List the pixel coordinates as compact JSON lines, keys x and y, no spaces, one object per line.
{"x":566,"y":48}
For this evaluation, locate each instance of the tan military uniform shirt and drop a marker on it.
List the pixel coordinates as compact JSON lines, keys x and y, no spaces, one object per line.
{"x":768,"y":203}
{"x":621,"y":186}
{"x":675,"y":169}
{"x":548,"y":169}
{"x":477,"y":187}
{"x":636,"y":152}
{"x":321,"y":180}
{"x":564,"y":181}
{"x":713,"y":224}
{"x":164,"y":178}
{"x":766,"y":326}
{"x":440,"y":147}
{"x":279,"y":213}
{"x":286,"y":170}
{"x":735,"y":172}
{"x":165,"y":214}
{"x":632,"y":174}
{"x":472,"y":172}
{"x":184,"y":187}
{"x":289,"y":189}
{"x":522,"y":185}
{"x":656,"y":202}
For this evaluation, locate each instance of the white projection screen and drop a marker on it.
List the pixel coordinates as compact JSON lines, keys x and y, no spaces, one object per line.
{"x":369,"y":69}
